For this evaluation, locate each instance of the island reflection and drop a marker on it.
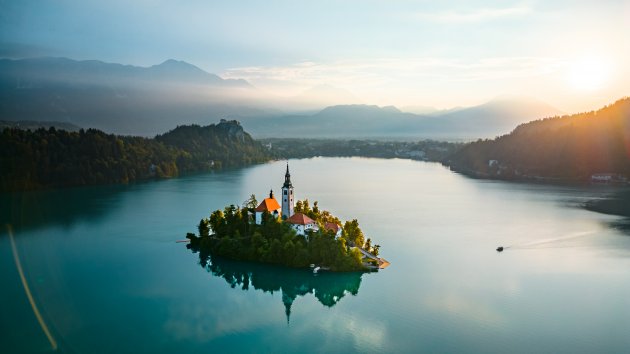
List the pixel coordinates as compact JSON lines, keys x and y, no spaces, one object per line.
{"x":327,"y":287}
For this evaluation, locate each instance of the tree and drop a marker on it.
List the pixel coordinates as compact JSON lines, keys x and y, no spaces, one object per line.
{"x":217,"y":222}
{"x":353,"y":233}
{"x":298,"y":207}
{"x":305,"y":207}
{"x":315,"y":211}
{"x":251,"y":202}
{"x":204,"y":229}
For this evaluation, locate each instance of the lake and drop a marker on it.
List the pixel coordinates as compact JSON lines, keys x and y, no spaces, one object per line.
{"x":107,"y":275}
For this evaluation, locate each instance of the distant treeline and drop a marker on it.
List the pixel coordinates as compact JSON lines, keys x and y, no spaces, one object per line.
{"x":34,"y":125}
{"x":568,"y":148}
{"x":427,"y":150}
{"x":46,"y":158}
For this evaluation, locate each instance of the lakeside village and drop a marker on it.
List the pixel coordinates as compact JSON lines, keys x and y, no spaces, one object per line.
{"x":292,"y":234}
{"x":497,"y":169}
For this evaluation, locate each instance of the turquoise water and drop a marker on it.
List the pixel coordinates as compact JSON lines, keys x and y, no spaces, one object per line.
{"x":108,"y":276}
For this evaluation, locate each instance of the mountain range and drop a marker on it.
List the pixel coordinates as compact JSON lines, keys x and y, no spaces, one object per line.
{"x":117,"y":98}
{"x":125,"y":99}
{"x":50,"y":72}
{"x":488,"y":120}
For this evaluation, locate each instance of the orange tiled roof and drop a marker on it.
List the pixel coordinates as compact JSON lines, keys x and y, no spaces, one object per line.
{"x":332,"y":226}
{"x":269,"y":204}
{"x":300,"y":219}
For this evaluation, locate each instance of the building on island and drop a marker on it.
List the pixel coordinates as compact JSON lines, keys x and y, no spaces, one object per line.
{"x":288,"y":203}
{"x":302,"y":223}
{"x":269,"y":205}
{"x":335,"y":228}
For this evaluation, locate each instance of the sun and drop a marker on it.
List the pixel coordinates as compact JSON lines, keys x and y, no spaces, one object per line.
{"x":589,"y":74}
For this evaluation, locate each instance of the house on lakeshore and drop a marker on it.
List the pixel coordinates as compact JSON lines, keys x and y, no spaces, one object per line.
{"x":269,"y":205}
{"x":335,"y":228}
{"x":302,"y":223}
{"x":608,"y":178}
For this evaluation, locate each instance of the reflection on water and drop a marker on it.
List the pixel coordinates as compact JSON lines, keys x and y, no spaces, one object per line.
{"x":328,"y":288}
{"x":63,"y":207}
{"x":621,"y":225}
{"x":616,"y":203}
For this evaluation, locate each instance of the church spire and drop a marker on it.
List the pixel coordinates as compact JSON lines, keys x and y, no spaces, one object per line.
{"x":288,"y":301}
{"x":288,"y":202}
{"x":287,"y":178}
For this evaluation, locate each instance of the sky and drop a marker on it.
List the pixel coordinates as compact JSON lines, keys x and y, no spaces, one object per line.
{"x":570,"y":54}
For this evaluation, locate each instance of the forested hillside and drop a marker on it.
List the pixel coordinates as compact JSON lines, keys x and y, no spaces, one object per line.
{"x":561,"y":148}
{"x":46,"y":158}
{"x":225,"y":144}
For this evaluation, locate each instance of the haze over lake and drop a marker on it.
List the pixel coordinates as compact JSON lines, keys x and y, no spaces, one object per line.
{"x":107,"y":275}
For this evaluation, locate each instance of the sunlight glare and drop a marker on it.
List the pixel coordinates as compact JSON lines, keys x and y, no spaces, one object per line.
{"x":589,"y":74}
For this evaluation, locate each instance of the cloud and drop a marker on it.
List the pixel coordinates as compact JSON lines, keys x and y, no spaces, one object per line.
{"x":378,"y":69}
{"x":378,"y":75}
{"x":480,"y":15}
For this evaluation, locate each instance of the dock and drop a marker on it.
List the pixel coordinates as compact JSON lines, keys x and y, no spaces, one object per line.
{"x":382,"y":263}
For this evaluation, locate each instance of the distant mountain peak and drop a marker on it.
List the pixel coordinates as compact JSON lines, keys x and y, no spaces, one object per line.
{"x":360,"y":108}
{"x":178,"y":66}
{"x":175,"y":63}
{"x":324,"y":95}
{"x":391,"y":108}
{"x":179,"y":69}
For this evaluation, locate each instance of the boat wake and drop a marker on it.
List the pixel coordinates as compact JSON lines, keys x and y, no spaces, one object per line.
{"x":555,"y":242}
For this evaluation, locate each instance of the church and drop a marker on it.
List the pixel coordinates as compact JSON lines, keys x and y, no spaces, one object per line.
{"x":271,"y":205}
{"x":299,"y":222}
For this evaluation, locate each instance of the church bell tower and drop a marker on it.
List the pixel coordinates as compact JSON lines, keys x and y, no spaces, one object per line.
{"x":287,"y":196}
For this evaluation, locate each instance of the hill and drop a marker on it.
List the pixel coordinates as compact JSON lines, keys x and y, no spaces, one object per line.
{"x":47,"y":158}
{"x":561,"y":148}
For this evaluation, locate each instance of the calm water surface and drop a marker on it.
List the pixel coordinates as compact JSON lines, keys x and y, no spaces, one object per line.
{"x":108,"y":277}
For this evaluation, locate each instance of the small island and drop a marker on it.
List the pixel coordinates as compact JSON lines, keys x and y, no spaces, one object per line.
{"x":293,"y":234}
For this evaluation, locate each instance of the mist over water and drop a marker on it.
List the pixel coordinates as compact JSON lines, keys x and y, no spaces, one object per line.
{"x":106,"y":272}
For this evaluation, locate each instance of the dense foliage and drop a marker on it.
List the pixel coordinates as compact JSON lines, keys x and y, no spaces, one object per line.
{"x":231,"y":233}
{"x":560,"y":148}
{"x":55,"y":158}
{"x":427,"y":150}
{"x":226,"y":144}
